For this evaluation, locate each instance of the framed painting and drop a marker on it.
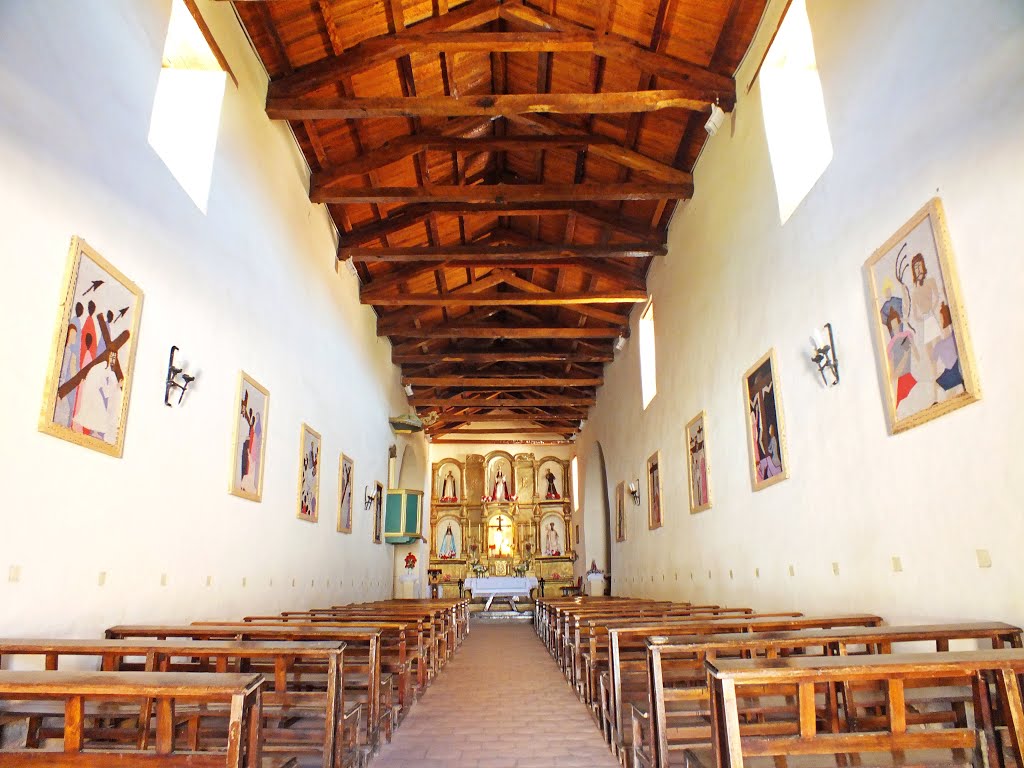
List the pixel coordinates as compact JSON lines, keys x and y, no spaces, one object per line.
{"x":378,"y":514}
{"x":309,"y":474}
{"x":249,"y":446}
{"x":924,"y":352}
{"x":90,"y":374}
{"x":697,"y":466}
{"x":766,"y":429}
{"x":654,"y":510}
{"x":346,"y":476}
{"x":620,"y":511}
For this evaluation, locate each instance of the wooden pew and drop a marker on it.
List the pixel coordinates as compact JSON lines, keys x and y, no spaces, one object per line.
{"x":678,"y":693}
{"x":991,"y":677}
{"x":78,"y":693}
{"x":400,"y":656}
{"x":288,"y":667}
{"x":362,"y":668}
{"x":628,"y":645}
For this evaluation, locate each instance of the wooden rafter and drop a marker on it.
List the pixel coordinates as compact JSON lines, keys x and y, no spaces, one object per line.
{"x":506,"y":298}
{"x":333,"y":108}
{"x":500,"y":193}
{"x":483,"y":255}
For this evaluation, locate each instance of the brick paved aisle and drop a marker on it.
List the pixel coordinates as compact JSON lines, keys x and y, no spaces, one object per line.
{"x":500,"y":703}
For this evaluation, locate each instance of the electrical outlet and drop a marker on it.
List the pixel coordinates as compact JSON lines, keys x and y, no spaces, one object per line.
{"x":102,"y":579}
{"x":14,"y":574}
{"x":163,"y":579}
{"x":835,"y":569}
{"x":984,"y":559}
{"x":897,"y":565}
{"x":792,"y":571}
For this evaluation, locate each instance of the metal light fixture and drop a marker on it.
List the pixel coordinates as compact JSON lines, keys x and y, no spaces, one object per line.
{"x":716,"y":119}
{"x":634,"y":491}
{"x":370,"y":497}
{"x":408,"y":390}
{"x":825,"y":357}
{"x":173,"y":372}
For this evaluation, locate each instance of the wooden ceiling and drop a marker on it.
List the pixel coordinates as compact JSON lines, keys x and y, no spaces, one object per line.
{"x":502,"y":175}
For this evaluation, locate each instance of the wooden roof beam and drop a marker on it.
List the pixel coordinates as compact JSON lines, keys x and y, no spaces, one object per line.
{"x":456,"y":331}
{"x":612,"y":151}
{"x":504,"y":298}
{"x":623,"y":50}
{"x":501,"y":402}
{"x":406,"y":146}
{"x":403,"y":217}
{"x":623,"y":102}
{"x":504,"y":357}
{"x":501,"y":382}
{"x":512,"y":193}
{"x":381,"y":49}
{"x":483,"y":255}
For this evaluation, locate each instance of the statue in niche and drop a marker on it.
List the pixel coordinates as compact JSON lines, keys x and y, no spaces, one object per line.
{"x":552,"y":492}
{"x":448,"y":492}
{"x":447,"y":549}
{"x":552,"y":541}
{"x":500,"y":490}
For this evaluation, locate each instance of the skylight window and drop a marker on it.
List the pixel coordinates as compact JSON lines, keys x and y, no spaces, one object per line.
{"x":186,"y":111}
{"x":648,"y":376}
{"x":794,"y":111}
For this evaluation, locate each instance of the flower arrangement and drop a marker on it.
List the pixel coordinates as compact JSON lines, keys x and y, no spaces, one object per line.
{"x":410,"y":561}
{"x":479,"y":569}
{"x":449,"y":556}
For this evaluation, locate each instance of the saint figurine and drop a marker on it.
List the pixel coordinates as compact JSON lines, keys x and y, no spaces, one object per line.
{"x":552,"y":492}
{"x":500,"y":492}
{"x":447,"y":549}
{"x":552,"y":543}
{"x":448,"y":488}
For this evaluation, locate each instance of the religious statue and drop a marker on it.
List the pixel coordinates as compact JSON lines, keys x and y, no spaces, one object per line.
{"x":552,"y":543}
{"x":447,"y":549}
{"x":448,"y":493}
{"x":500,"y":490}
{"x":552,"y":492}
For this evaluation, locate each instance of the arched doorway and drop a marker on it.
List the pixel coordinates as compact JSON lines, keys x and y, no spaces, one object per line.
{"x":597,"y":510}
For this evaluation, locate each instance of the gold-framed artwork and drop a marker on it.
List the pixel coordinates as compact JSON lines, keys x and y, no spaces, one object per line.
{"x":248,"y":448}
{"x":346,"y":480}
{"x":620,"y":511}
{"x":698,"y":467}
{"x":655,"y":516}
{"x":924,"y":351}
{"x":766,"y":427}
{"x":378,"y":513}
{"x":89,"y":381}
{"x":309,"y":474}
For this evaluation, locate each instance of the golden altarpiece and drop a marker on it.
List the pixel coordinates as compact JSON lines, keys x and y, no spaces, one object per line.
{"x":501,"y":515}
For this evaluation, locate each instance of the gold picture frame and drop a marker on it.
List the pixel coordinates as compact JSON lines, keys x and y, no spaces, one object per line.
{"x":620,"y":511}
{"x":698,"y":465}
{"x":346,"y":482}
{"x":378,"y":513}
{"x":926,"y":363}
{"x":249,"y":445}
{"x":655,"y":508}
{"x":766,"y":426}
{"x":310,"y":444}
{"x":89,"y":379}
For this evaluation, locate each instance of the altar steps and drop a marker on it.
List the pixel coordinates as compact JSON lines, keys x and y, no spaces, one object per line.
{"x":524,"y":615}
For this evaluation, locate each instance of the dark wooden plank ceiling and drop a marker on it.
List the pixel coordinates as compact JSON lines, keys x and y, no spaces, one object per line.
{"x":502,"y":175}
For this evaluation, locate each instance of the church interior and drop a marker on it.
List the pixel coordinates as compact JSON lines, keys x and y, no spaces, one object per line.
{"x":641,"y":354}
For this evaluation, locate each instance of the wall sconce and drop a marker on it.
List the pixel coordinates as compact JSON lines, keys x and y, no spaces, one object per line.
{"x":370,"y":497}
{"x":408,"y":390}
{"x":173,"y":372}
{"x":825,"y":357}
{"x":634,"y":491}
{"x":715,"y":120}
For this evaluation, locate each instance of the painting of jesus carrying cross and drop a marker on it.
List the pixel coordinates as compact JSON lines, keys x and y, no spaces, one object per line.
{"x":89,"y":379}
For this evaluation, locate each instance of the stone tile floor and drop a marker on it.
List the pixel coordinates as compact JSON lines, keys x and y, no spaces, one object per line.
{"x":501,"y":702}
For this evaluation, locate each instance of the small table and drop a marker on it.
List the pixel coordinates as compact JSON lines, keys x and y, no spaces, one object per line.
{"x":510,"y":588}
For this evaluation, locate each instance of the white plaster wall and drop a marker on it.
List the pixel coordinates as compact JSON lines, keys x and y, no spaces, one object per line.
{"x":923,"y":97}
{"x":250,"y":285}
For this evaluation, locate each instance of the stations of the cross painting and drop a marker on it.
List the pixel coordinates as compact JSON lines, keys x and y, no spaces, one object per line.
{"x":109,"y":353}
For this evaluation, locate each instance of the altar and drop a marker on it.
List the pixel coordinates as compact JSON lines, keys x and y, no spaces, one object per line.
{"x":511,"y":588}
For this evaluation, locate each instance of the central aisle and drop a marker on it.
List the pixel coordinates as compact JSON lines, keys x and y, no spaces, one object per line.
{"x":500,"y":703}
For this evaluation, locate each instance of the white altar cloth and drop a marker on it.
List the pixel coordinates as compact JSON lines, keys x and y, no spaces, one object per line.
{"x":509,"y":587}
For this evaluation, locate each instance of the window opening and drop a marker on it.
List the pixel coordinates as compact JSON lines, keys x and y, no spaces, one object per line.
{"x":794,"y":111}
